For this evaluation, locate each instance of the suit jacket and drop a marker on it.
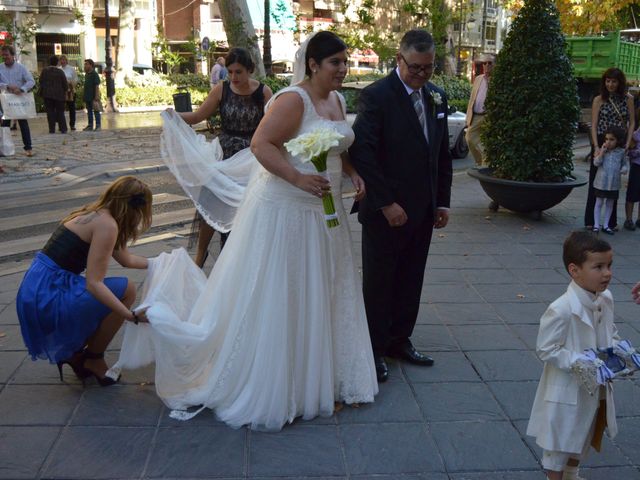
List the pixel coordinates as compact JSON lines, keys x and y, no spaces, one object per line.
{"x":53,"y":83}
{"x":472,"y":99}
{"x":563,"y":410}
{"x":392,"y":155}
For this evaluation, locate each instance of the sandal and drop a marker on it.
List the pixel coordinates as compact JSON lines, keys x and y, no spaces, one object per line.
{"x":103,"y":381}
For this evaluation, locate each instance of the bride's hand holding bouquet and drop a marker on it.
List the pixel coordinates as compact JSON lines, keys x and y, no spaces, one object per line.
{"x":314,"y":147}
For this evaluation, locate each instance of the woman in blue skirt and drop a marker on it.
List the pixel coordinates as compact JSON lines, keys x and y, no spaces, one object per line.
{"x":69,"y":318}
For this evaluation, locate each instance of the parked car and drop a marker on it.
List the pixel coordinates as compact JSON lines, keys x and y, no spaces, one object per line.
{"x":139,"y":68}
{"x":457,"y":122}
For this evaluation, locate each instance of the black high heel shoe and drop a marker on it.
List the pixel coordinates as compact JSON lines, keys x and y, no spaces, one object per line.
{"x":103,"y":381}
{"x":75,"y":362}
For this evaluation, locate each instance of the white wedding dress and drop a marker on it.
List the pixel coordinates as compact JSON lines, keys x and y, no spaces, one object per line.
{"x":278,"y":330}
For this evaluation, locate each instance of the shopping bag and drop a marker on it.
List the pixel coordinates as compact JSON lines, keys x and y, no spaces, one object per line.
{"x":97,"y":105}
{"x":7,"y":147}
{"x":17,"y":107}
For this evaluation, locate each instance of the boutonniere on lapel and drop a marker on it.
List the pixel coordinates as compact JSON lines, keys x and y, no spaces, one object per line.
{"x":435,"y":100}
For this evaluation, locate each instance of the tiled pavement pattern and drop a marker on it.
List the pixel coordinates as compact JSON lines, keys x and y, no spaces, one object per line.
{"x":490,"y":277}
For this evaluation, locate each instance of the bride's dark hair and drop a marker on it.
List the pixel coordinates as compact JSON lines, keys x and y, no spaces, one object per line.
{"x":322,"y":45}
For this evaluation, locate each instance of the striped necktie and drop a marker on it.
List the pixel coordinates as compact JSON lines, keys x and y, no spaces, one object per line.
{"x":416,"y":99}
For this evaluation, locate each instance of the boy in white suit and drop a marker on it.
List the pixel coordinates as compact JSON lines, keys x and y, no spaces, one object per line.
{"x":565,"y":418}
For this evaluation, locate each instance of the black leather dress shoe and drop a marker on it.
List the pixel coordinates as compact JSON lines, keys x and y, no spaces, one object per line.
{"x":382,"y":370}
{"x":407,"y":352}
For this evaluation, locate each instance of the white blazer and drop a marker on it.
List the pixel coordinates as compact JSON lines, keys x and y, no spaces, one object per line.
{"x":563,"y":411}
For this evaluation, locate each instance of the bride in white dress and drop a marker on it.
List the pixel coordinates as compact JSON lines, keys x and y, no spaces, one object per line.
{"x":278,"y":330}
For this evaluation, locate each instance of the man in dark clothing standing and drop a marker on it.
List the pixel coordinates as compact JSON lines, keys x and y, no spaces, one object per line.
{"x":53,"y":89}
{"x":91,"y":94}
{"x":401,"y":151}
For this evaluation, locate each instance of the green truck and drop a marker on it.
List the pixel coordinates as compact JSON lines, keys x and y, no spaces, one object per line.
{"x":592,"y":55}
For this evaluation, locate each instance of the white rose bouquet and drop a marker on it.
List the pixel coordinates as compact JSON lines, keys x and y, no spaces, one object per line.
{"x":314,"y":147}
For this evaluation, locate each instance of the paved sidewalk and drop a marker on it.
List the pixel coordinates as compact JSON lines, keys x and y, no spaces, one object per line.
{"x":490,"y":276}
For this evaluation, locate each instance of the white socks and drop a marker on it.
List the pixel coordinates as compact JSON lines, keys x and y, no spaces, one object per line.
{"x":608,"y":210}
{"x":571,"y":473}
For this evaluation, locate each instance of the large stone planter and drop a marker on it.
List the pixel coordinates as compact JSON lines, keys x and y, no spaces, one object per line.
{"x":523,"y":197}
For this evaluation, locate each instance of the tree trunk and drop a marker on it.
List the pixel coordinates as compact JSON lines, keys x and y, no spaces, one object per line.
{"x":239,"y":29}
{"x":126,"y":47}
{"x":266,"y":41}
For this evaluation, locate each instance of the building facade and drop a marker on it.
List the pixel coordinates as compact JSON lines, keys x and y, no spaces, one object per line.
{"x":76,"y":28}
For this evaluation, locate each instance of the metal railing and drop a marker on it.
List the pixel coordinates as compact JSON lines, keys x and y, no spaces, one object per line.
{"x":57,"y":3}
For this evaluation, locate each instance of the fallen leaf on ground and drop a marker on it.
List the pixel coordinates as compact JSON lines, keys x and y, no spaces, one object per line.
{"x":520,"y":295}
{"x":526,"y":227}
{"x":2,"y":334}
{"x":487,"y":217}
{"x":442,"y":235}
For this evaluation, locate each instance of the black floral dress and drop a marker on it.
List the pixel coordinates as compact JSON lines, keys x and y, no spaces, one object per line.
{"x":240,"y":116}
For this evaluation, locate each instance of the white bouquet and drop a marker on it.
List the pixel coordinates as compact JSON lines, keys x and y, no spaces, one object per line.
{"x":313,"y":147}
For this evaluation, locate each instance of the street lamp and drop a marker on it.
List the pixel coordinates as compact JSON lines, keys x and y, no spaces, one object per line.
{"x":108,"y":71}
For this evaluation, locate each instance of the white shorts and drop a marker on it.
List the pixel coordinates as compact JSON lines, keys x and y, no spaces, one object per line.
{"x":557,"y":461}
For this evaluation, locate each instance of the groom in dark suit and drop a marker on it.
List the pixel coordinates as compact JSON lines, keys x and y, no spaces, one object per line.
{"x":401,"y":150}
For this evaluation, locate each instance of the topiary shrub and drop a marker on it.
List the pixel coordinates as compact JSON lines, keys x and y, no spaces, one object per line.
{"x":532,"y":102}
{"x":458,"y":89}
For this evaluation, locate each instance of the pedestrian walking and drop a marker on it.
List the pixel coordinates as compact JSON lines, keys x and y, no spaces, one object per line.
{"x":566,"y":419}
{"x":72,"y":79}
{"x":476,"y":111}
{"x":15,"y":78}
{"x":91,"y":95}
{"x":218,"y":72}
{"x":53,"y":89}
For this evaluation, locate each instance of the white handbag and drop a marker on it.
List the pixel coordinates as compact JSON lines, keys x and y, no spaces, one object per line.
{"x":7,"y":147}
{"x":18,"y":107}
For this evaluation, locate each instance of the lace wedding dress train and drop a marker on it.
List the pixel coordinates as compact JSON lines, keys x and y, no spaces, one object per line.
{"x":278,"y":330}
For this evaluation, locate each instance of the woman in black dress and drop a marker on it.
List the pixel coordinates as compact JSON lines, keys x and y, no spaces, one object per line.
{"x":240,"y":100}
{"x":612,"y":108}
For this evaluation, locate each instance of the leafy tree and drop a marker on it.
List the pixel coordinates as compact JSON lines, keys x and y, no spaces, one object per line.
{"x":532,"y":102}
{"x":582,"y":17}
{"x":239,"y":29}
{"x":163,"y":51}
{"x":282,"y":16}
{"x":379,"y":24}
{"x":19,"y":35}
{"x":435,"y":16}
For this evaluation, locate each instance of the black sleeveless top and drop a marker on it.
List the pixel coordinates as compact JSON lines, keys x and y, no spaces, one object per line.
{"x":67,"y":249}
{"x":240,"y":116}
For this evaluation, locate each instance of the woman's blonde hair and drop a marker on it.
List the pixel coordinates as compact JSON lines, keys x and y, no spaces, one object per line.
{"x":129,"y":202}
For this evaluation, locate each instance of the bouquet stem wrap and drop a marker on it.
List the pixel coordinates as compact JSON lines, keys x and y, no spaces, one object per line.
{"x":330,"y":215}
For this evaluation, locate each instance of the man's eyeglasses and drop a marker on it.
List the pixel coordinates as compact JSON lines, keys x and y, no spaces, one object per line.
{"x":415,"y":69}
{"x":487,"y":63}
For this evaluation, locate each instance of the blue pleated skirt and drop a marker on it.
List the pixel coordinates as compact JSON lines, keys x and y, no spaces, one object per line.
{"x":57,"y":314}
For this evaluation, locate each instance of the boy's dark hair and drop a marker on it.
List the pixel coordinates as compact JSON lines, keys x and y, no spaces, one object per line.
{"x":53,"y":60}
{"x":578,"y":244}
{"x":617,"y":132}
{"x":90,"y":62}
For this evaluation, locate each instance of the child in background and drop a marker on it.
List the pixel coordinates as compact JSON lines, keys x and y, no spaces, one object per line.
{"x":566,"y":419}
{"x":633,"y":188}
{"x":610,"y":160}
